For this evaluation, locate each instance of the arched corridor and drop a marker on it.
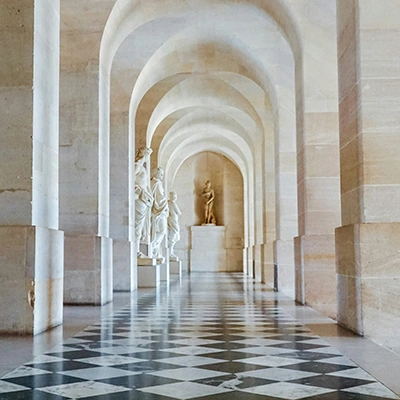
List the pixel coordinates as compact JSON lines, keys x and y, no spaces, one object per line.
{"x":287,"y":108}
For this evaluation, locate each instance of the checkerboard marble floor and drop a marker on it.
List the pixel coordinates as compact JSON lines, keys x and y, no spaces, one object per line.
{"x":205,"y":338}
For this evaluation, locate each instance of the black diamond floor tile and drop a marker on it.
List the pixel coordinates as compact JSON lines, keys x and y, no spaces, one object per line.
{"x":306,"y":355}
{"x":77,"y":354}
{"x":331,"y":382}
{"x":232,"y":367}
{"x":345,"y":396}
{"x":60,"y":366}
{"x":138,"y":381}
{"x":30,"y":395}
{"x":318,"y":367}
{"x":40,"y":381}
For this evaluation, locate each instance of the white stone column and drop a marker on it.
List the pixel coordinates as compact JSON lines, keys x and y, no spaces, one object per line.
{"x":31,"y":245}
{"x":84,"y":160}
{"x":367,"y":244}
{"x":317,"y":161}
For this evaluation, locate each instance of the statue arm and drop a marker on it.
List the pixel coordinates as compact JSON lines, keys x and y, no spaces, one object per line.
{"x":211,"y":197}
{"x":177,"y":210}
{"x":160,"y":201}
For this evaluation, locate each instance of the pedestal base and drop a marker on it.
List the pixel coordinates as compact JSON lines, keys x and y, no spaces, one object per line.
{"x":367,"y":260}
{"x":164,"y":272}
{"x":208,"y":253}
{"x":175,"y":267}
{"x":146,"y":262}
{"x":88,"y":272}
{"x":316,"y":272}
{"x":149,"y":276}
{"x":30,"y":254}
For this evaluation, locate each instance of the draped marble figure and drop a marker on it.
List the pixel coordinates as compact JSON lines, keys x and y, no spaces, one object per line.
{"x":208,"y":197}
{"x":159,"y":217}
{"x":143,"y":199}
{"x":173,"y":225}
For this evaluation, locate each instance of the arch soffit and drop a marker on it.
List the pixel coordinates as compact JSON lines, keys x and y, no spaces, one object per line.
{"x":226,"y":138}
{"x":228,"y":54}
{"x":198,"y":119}
{"x":197,"y":91}
{"x":128,"y":15}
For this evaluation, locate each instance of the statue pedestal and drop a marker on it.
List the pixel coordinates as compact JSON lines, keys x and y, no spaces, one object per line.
{"x":175,"y":267}
{"x":149,"y":272}
{"x":208,"y":253}
{"x":164,"y":271}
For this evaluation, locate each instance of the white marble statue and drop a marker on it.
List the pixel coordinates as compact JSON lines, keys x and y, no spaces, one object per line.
{"x":143,"y":200}
{"x":173,"y":225}
{"x":159,"y":213}
{"x":209,"y":196}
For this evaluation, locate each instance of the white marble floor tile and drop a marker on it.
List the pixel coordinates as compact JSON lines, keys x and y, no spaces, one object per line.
{"x":195,"y":334}
{"x":132,"y":341}
{"x":338,"y":361}
{"x":6,"y":387}
{"x":121,"y":350}
{"x":45,"y":359}
{"x":327,"y":350}
{"x":188,"y":374}
{"x":25,"y":371}
{"x":60,"y":349}
{"x":190,"y":361}
{"x":270,"y":361}
{"x":97,"y":373}
{"x":185,"y":390}
{"x":373,"y":389}
{"x":193,"y":350}
{"x":288,"y":391}
{"x":356,"y":373}
{"x":265,"y":351}
{"x":260,"y":342}
{"x":194,"y":342}
{"x":108,"y":361}
{"x":277,"y":374}
{"x":75,"y":341}
{"x":83,"y":389}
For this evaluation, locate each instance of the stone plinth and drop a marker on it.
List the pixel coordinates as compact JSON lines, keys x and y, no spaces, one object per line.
{"x":30,"y":254}
{"x":149,"y":275}
{"x":88,"y":273}
{"x":164,"y":272}
{"x":316,"y":272}
{"x":122,"y":266}
{"x":208,"y":253}
{"x":367,"y":261}
{"x":175,"y":267}
{"x":284,"y":260}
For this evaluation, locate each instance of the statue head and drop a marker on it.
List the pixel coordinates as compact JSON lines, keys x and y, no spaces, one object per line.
{"x":142,"y":152}
{"x":208,"y":184}
{"x":157,"y":173}
{"x":173,"y":196}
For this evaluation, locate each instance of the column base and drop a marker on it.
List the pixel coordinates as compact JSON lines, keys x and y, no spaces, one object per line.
{"x":31,"y":254}
{"x":122,"y":266}
{"x":267,"y":261}
{"x":284,"y":260}
{"x":88,"y":270}
{"x":316,"y":272}
{"x":368,"y":280}
{"x":258,"y":274}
